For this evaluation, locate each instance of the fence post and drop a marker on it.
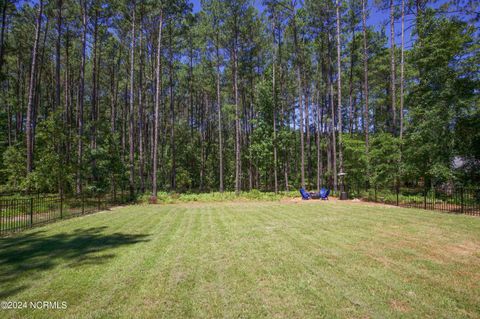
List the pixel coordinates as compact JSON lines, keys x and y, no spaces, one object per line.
{"x":31,"y":211}
{"x":461,"y":200}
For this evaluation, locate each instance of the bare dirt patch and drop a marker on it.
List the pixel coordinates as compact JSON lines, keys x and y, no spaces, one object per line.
{"x":466,"y":248}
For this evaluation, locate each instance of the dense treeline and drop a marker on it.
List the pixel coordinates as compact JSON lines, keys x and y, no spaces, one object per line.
{"x":100,"y":95}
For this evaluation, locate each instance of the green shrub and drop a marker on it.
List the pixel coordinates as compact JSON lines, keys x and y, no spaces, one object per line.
{"x":169,"y":198}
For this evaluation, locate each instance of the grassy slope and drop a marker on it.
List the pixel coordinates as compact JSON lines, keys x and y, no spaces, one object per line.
{"x":248,"y":259}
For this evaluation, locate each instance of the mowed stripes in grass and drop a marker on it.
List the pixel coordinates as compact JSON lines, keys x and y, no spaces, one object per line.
{"x":249,"y":260}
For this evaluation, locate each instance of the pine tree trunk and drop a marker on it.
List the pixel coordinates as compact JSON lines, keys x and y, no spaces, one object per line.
{"x":58,"y":54}
{"x":350,"y":83}
{"x":307,"y":130}
{"x":132,"y":108}
{"x":141,"y":111}
{"x":37,"y":96}
{"x":392,"y":66}
{"x":302,"y":134}
{"x":248,"y":129}
{"x":173,"y":182}
{"x":274,"y":93}
{"x":113,"y":118}
{"x":365,"y":75}
{"x":93,"y":115}
{"x":202,"y":140}
{"x":23,"y":84}
{"x":334,"y":140}
{"x":31,"y":90}
{"x":219,"y":106}
{"x":9,"y":117}
{"x":114,"y":83}
{"x":190,"y":86}
{"x":67,"y":98}
{"x":81,"y":92}
{"x":2,"y":33}
{"x":237,"y":116}
{"x":285,"y":158}
{"x":157,"y":108}
{"x":339,"y":91}
{"x":300,"y":103}
{"x":319,"y":150}
{"x":402,"y":66}
{"x":124,"y":121}
{"x":18,"y":90}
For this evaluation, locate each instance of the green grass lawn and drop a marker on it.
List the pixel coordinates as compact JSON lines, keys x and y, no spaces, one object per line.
{"x":248,"y":260}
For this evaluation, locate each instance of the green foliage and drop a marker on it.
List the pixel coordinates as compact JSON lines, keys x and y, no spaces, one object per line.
{"x":184,"y":181}
{"x":355,"y":160}
{"x":442,"y":92}
{"x":49,"y":170}
{"x":441,"y":114}
{"x":170,"y":198}
{"x":467,"y":140}
{"x":261,"y":145}
{"x":384,"y":159}
{"x":14,"y":164}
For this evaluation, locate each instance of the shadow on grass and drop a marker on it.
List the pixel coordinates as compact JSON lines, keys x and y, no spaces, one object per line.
{"x":24,"y":257}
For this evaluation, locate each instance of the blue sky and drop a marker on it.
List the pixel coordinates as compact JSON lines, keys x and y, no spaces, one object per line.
{"x":377,"y":19}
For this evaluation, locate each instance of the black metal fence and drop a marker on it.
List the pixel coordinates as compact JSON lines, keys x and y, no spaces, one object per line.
{"x":461,"y":200}
{"x":20,"y":213}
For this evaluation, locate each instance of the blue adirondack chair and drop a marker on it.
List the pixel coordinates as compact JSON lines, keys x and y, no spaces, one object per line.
{"x":324,"y":193}
{"x":305,"y":194}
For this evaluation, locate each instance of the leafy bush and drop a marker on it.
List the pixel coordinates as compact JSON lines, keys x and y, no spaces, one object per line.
{"x":170,"y":198}
{"x":14,"y":163}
